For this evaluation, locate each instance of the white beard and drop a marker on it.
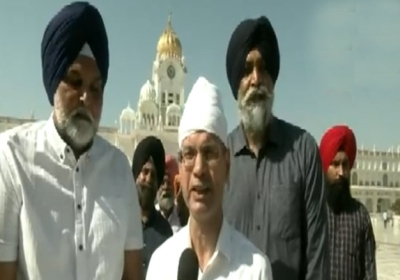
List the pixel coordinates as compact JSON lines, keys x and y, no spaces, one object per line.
{"x":79,"y":126}
{"x":256,"y":114}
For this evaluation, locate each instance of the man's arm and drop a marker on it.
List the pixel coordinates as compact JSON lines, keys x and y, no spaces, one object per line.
{"x":316,"y":235}
{"x":369,"y":263}
{"x":10,"y":205}
{"x":134,"y":239}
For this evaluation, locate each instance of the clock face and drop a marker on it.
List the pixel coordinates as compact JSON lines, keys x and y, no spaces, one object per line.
{"x":171,"y":71}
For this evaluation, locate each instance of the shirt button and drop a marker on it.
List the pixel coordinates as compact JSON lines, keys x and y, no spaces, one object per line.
{"x":258,"y":228}
{"x":61,"y":156}
{"x":258,"y":196}
{"x":77,"y":169}
{"x":80,"y":247}
{"x":67,"y":150}
{"x":144,"y":264}
{"x":79,"y":207}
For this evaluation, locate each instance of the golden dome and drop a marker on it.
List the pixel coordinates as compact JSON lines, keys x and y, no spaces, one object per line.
{"x":169,"y":44}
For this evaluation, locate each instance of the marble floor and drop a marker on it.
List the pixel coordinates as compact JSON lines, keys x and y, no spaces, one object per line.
{"x":388,"y":252}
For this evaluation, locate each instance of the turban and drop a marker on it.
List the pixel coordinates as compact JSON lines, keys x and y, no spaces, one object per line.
{"x":149,"y":147}
{"x":171,"y":169}
{"x":251,"y":34}
{"x":203,"y":112}
{"x":77,"y":29}
{"x":337,"y":138}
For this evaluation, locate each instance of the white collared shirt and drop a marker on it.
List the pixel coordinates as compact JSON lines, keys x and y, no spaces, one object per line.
{"x":235,"y":258}
{"x":173,"y":219}
{"x":64,"y":219}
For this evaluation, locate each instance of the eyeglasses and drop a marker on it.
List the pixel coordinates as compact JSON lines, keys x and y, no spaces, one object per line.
{"x":211,"y":156}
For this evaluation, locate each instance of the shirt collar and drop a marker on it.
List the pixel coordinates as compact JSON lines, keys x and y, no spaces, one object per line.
{"x":61,"y":148}
{"x":274,"y":136}
{"x":224,"y":244}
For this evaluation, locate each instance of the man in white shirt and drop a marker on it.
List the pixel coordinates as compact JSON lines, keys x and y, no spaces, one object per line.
{"x":222,"y":252}
{"x":68,"y":205}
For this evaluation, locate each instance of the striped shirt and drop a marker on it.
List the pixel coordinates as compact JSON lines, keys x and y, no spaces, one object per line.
{"x":352,"y":244}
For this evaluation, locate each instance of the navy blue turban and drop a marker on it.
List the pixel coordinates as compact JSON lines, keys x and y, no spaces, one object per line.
{"x":68,"y":31}
{"x":251,"y":34}
{"x":149,"y":147}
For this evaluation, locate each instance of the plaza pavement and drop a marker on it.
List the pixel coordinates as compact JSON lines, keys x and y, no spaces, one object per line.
{"x":388,"y":251}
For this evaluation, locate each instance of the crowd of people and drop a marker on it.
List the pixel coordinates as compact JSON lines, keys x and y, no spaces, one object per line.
{"x":262,"y":202}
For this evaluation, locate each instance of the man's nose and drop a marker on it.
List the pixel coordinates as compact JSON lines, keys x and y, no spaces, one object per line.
{"x":255,"y":77}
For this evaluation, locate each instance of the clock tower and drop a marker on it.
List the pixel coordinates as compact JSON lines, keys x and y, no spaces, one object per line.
{"x":169,"y":73}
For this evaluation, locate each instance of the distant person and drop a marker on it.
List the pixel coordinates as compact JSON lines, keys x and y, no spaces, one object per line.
{"x":67,"y":206}
{"x":166,"y":200}
{"x":385,"y":218}
{"x":352,"y":241}
{"x":222,"y":252}
{"x":275,"y":194}
{"x":148,"y":167}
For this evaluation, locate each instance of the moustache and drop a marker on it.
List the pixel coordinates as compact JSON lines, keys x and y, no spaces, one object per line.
{"x":82,"y":114}
{"x":256,"y":95}
{"x":340,"y":183}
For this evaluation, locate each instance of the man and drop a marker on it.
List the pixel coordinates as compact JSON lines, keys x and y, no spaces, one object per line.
{"x":275,"y":192}
{"x":352,"y":241}
{"x":148,"y":167}
{"x":165,"y":196}
{"x":181,"y":208}
{"x":222,"y":252}
{"x":67,"y":207}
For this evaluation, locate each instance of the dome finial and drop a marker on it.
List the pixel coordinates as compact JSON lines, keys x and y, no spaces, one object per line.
{"x":169,"y":44}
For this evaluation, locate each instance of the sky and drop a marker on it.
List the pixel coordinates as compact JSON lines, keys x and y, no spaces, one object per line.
{"x":340,"y":59}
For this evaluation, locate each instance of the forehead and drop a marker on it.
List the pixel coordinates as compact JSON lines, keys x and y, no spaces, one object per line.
{"x":254,"y":56}
{"x":85,"y":64}
{"x":341,"y":156}
{"x":149,"y":164}
{"x":200,"y":138}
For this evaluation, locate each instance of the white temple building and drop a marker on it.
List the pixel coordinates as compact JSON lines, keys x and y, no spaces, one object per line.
{"x":162,"y":97}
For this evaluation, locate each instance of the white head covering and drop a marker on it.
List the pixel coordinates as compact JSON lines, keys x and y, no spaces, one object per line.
{"x":86,"y":51}
{"x":203,"y":111}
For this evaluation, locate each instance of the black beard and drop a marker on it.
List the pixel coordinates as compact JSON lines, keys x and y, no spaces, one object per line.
{"x":338,"y":195}
{"x":147,"y":195}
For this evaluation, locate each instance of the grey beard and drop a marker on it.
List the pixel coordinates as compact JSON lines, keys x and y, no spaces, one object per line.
{"x":79,"y":130}
{"x":255,"y":115}
{"x":166,"y":203}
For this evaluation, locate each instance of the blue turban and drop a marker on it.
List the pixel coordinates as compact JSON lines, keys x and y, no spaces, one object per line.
{"x":251,"y":34}
{"x":68,"y":31}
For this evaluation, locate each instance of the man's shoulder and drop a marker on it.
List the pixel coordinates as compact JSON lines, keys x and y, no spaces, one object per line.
{"x":362,"y":211}
{"x":294,"y":133}
{"x":22,"y":137}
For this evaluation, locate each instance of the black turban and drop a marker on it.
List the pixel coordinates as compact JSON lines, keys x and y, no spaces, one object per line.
{"x":68,"y":31}
{"x":251,"y":34}
{"x":149,"y":147}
